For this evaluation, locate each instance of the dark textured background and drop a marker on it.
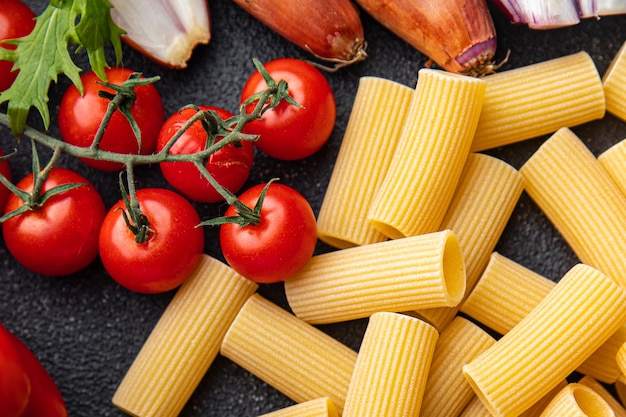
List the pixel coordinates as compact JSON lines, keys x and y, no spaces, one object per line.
{"x":86,"y":329}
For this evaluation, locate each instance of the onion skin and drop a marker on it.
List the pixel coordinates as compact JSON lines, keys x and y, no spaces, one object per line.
{"x":458,"y":35}
{"x":329,"y":29}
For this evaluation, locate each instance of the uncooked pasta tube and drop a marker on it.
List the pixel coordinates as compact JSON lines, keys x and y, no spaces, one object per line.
{"x":379,"y":110}
{"x":482,"y":204}
{"x":184,"y":342}
{"x":476,"y":408}
{"x":580,"y":313}
{"x":320,"y":407}
{"x":430,"y":156}
{"x":392,"y":367}
{"x":615,"y":405}
{"x":614,"y":160}
{"x":396,"y":275}
{"x":507,"y":292}
{"x":577,"y":400}
{"x":614,"y":82}
{"x":292,"y":356}
{"x":447,"y":391}
{"x":538,"y":99}
{"x":582,"y":201}
{"x":621,"y":358}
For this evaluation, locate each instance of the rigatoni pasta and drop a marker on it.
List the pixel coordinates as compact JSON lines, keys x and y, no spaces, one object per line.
{"x":582,"y":201}
{"x":615,"y":405}
{"x":447,"y":392}
{"x":320,"y":407}
{"x":538,"y":99}
{"x":380,"y":105}
{"x":396,"y":275}
{"x":613,"y":160}
{"x":184,"y":342}
{"x":578,"y":315}
{"x":292,"y":356}
{"x":430,"y":156}
{"x":614,"y":83}
{"x":507,"y":292}
{"x":483,"y":202}
{"x":577,"y":400}
{"x":392,"y":367}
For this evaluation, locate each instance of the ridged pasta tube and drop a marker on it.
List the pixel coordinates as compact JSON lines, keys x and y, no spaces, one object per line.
{"x":577,"y":400}
{"x":320,"y":407}
{"x":580,"y":313}
{"x":614,"y":83}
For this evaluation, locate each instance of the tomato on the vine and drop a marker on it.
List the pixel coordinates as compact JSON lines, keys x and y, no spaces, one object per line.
{"x":5,"y":170}
{"x":289,"y":132}
{"x":61,"y":236}
{"x":16,"y":20}
{"x":15,"y":383}
{"x":280,"y":244}
{"x":172,"y":250}
{"x":230,"y":166}
{"x":80,"y":117}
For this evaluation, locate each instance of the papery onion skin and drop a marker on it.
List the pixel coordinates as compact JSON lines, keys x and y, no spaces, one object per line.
{"x":330,"y":29}
{"x":166,"y":31}
{"x":459,"y":36}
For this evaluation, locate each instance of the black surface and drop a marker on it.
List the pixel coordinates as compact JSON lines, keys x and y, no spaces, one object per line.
{"x":86,"y":329}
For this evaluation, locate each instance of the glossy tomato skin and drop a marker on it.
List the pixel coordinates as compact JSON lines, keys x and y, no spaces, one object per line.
{"x":80,"y":118}
{"x":15,"y":383}
{"x":45,"y":398}
{"x":5,"y":169}
{"x":280,"y":245}
{"x":16,"y":20}
{"x":169,"y":255}
{"x":61,"y":237}
{"x":230,"y":166}
{"x":289,"y":132}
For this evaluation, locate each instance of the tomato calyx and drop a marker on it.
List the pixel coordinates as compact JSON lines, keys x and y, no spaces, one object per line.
{"x":281,"y":92}
{"x":136,"y":221}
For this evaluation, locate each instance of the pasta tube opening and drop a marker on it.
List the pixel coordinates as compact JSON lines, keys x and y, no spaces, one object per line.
{"x":590,"y":402}
{"x":453,"y":266}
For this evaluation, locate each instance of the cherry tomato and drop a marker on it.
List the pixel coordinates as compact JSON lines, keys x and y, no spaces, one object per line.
{"x":81,"y":116}
{"x":171,"y":252}
{"x":230,"y":166}
{"x":289,"y":132}
{"x":15,"y":383}
{"x":45,"y":398}
{"x":280,"y":245}
{"x":16,"y":20}
{"x":5,"y":169}
{"x":61,"y":237}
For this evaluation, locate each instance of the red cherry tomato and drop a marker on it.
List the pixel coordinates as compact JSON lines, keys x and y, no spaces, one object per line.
{"x":280,"y":245}
{"x":5,"y":169}
{"x":16,"y":20}
{"x":61,"y":237}
{"x":171,"y":252}
{"x":45,"y":397}
{"x":15,"y":383}
{"x":230,"y":166}
{"x":289,"y":132}
{"x":81,"y":116}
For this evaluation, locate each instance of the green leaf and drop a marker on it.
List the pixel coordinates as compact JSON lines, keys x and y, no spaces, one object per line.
{"x":44,"y":54}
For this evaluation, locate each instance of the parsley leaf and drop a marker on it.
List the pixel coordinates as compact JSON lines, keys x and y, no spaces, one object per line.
{"x":44,"y":54}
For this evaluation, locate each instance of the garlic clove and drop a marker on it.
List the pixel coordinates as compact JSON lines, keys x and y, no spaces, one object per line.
{"x":166,"y":31}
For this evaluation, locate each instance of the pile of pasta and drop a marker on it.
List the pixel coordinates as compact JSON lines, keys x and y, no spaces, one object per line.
{"x":415,"y":224}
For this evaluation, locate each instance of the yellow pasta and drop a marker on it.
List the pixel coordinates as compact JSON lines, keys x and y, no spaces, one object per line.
{"x":320,"y":407}
{"x":614,"y":83}
{"x":480,"y":209}
{"x":447,"y":391}
{"x":538,"y":99}
{"x":620,"y":389}
{"x":184,"y":342}
{"x":621,"y":358}
{"x":476,"y":408}
{"x":577,"y":400}
{"x":507,"y":292}
{"x":580,"y":313}
{"x":292,"y":356}
{"x":617,"y":408}
{"x":396,"y":275}
{"x":380,"y":105}
{"x":429,"y":158}
{"x":570,"y":186}
{"x":392,"y":367}
{"x":614,"y":160}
